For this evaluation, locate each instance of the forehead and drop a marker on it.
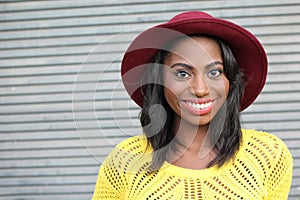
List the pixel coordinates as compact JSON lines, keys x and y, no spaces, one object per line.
{"x":195,"y":50}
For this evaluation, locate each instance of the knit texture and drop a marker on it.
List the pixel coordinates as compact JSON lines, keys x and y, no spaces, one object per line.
{"x":261,"y":169}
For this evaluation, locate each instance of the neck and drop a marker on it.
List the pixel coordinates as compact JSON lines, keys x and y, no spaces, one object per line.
{"x":192,"y":147}
{"x":189,"y":136}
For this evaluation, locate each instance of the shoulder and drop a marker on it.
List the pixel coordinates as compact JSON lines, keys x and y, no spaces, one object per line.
{"x":133,"y":144}
{"x":265,"y":139}
{"x":265,"y":159}
{"x":129,"y":154}
{"x":265,"y":146}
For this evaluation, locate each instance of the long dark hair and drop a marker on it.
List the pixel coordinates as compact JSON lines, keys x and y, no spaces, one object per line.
{"x":157,"y":123}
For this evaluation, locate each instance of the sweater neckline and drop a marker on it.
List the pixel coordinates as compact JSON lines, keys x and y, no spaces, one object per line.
{"x":182,"y":172}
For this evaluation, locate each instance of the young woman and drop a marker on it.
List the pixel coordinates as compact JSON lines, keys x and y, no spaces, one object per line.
{"x":192,"y":76}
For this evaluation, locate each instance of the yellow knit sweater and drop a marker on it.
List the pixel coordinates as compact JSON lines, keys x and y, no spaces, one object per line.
{"x":261,"y":169}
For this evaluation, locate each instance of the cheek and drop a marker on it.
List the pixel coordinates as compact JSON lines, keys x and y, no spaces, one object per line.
{"x":174,"y":90}
{"x":170,"y":96}
{"x":170,"y":88}
{"x":226,"y":86}
{"x":219,"y":88}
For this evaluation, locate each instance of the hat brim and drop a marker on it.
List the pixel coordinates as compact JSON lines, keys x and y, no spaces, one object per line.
{"x":247,"y":50}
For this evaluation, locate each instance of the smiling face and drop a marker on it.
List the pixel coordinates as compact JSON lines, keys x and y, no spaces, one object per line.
{"x":195,"y":85}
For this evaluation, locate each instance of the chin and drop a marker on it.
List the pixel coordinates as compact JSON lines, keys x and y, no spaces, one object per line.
{"x":197,"y":120}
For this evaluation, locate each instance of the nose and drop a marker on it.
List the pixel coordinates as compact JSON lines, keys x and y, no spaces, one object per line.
{"x":199,"y":86}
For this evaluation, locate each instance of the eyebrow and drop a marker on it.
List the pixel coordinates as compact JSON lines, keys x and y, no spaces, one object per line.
{"x":213,"y":64}
{"x":191,"y":67}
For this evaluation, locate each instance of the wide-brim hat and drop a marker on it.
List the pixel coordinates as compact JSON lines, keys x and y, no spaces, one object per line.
{"x":246,"y":48}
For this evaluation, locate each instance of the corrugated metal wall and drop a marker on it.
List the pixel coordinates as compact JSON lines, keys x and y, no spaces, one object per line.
{"x":63,"y":107}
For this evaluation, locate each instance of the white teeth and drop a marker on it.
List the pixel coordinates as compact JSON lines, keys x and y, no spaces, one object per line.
{"x":199,"y":106}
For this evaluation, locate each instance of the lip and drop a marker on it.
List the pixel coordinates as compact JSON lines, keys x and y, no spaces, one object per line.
{"x":198,"y":106}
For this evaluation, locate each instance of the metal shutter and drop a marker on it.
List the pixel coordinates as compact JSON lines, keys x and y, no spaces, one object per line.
{"x":63,"y":106}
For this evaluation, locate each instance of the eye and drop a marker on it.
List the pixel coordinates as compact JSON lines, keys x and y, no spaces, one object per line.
{"x":182,"y":74}
{"x":215,"y":73}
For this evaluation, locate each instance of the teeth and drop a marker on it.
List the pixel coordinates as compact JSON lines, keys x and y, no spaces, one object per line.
{"x":199,"y":106}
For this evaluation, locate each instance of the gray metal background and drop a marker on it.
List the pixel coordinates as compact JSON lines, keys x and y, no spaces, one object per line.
{"x":63,"y":106}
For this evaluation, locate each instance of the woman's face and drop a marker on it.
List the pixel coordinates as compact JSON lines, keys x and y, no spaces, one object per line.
{"x":195,"y":84}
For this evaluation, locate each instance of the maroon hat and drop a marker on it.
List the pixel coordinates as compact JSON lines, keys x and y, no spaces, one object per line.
{"x":247,"y":50}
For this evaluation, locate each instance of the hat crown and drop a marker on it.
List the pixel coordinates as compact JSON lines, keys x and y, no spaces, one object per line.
{"x":245,"y":47}
{"x":190,"y":15}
